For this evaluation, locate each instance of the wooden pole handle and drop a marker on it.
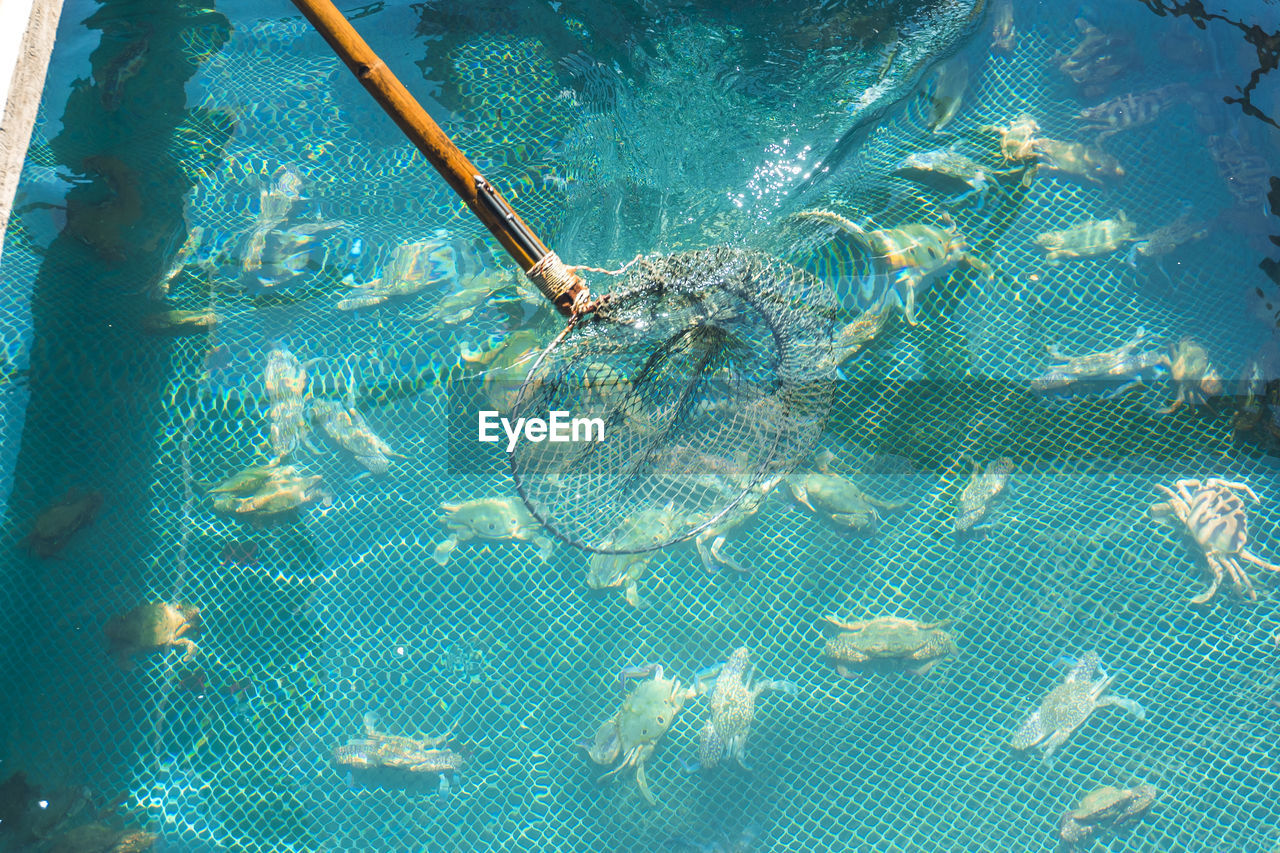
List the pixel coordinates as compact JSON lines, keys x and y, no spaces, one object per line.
{"x":554,"y":279}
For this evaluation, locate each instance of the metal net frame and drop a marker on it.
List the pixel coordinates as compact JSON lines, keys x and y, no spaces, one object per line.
{"x":343,"y":614}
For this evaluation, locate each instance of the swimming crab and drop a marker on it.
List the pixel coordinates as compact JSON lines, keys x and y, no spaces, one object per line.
{"x":632,"y":734}
{"x":1105,"y":808}
{"x":152,"y":627}
{"x":733,"y":691}
{"x":177,"y":323}
{"x":949,"y":172}
{"x":54,"y":527}
{"x":285,"y":379}
{"x":647,"y":527}
{"x":1097,"y":60}
{"x":400,"y":758}
{"x":984,"y":486}
{"x":1088,"y":238}
{"x":1212,"y":512}
{"x":492,"y":519}
{"x":1017,"y":139}
{"x":838,"y":499}
{"x":905,"y":260}
{"x":1193,"y":376}
{"x":1068,"y":705}
{"x":1126,"y":362}
{"x":888,"y":642}
{"x":350,"y":431}
{"x":1132,"y":110}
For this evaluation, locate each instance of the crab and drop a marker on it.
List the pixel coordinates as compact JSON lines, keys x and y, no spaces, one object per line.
{"x":950,"y":172}
{"x":647,"y":528}
{"x":1212,"y":512}
{"x":492,"y":519}
{"x":984,"y":486}
{"x":733,"y":691}
{"x":1097,"y":60}
{"x":1017,"y":140}
{"x":1068,"y":705}
{"x":349,"y":430}
{"x":889,"y":642}
{"x":286,"y":381}
{"x":838,"y":499}
{"x":152,"y":627}
{"x":905,"y":260}
{"x":249,"y":480}
{"x":632,"y":734}
{"x":180,"y":322}
{"x":54,"y":527}
{"x":1088,"y":238}
{"x":1167,"y":239}
{"x":1132,"y":110}
{"x":1193,"y":376}
{"x":397,"y":758}
{"x":1073,"y":160}
{"x":946,"y":95}
{"x":282,"y":495}
{"x":711,"y":540}
{"x":1127,"y":362}
{"x":405,"y":276}
{"x":1004,"y":34}
{"x":1105,"y":808}
{"x":98,"y":837}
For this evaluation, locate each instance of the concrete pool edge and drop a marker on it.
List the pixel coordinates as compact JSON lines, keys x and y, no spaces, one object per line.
{"x":30,"y":28}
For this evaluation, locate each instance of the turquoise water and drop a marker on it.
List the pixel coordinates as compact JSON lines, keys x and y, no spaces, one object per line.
{"x":617,"y":130}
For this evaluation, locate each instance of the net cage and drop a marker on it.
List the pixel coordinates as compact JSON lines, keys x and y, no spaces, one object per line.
{"x":695,"y":127}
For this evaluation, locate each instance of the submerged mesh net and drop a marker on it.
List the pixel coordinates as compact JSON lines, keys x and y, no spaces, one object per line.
{"x":707,"y":376}
{"x":697,"y":132}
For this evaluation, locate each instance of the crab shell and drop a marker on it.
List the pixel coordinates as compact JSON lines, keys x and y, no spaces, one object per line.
{"x":886,"y":639}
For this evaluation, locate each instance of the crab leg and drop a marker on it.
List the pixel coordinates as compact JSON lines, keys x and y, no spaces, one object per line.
{"x":1209,"y":593}
{"x":1257,"y":561}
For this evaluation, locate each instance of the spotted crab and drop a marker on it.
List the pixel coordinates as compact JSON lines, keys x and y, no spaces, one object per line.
{"x":886,"y":643}
{"x":1105,"y":808}
{"x":650,"y":527}
{"x":492,"y":519}
{"x":152,"y":627}
{"x":1212,"y":512}
{"x":984,"y":486}
{"x":1069,"y":705}
{"x":632,"y":734}
{"x":905,"y":260}
{"x":733,"y":690}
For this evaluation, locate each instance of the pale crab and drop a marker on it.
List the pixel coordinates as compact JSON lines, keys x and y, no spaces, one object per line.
{"x":152,"y":627}
{"x":980,"y":493}
{"x":1212,"y":512}
{"x":632,"y":734}
{"x":839,"y":499}
{"x":885,"y":644}
{"x":1105,"y":808}
{"x":645,"y":530}
{"x":399,"y":759}
{"x":493,"y":519}
{"x":1194,"y":378}
{"x":733,"y":691}
{"x":1068,"y":705}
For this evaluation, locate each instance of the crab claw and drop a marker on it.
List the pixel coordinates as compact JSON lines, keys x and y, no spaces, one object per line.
{"x":639,"y":673}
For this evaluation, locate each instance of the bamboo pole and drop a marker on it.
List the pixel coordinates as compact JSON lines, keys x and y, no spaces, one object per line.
{"x":558,"y":282}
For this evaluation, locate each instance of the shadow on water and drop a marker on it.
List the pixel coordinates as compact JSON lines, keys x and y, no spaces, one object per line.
{"x":95,"y":382}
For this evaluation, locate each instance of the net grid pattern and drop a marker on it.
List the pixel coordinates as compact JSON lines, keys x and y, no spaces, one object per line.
{"x":343,"y":613}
